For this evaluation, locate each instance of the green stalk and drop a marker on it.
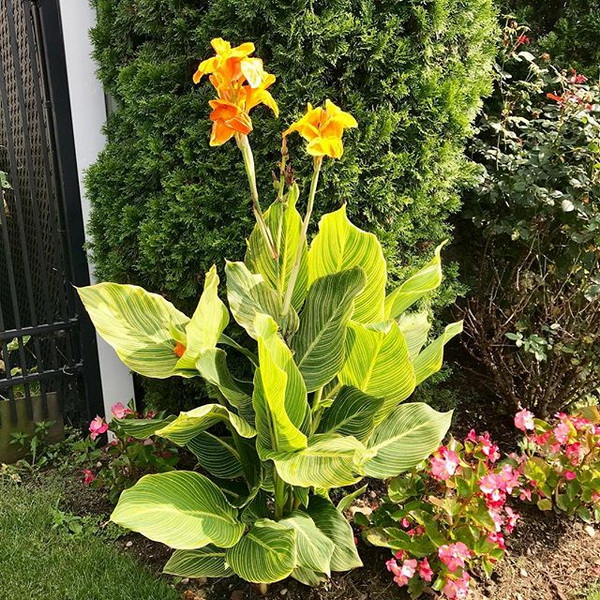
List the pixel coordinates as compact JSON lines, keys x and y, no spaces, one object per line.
{"x":244,"y":145}
{"x":298,"y":259}
{"x":280,"y":495}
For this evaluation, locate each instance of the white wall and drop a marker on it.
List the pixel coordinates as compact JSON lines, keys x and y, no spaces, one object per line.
{"x":89,"y":113}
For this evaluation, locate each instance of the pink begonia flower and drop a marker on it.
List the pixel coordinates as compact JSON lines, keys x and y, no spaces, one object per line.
{"x":399,"y":555}
{"x":405,"y":523}
{"x":409,"y":567}
{"x":119,"y":411}
{"x":488,"y":448}
{"x":150,"y":414}
{"x":595,"y":497}
{"x":88,"y":477}
{"x":471,"y":437}
{"x":454,"y":555}
{"x":525,"y":494}
{"x":511,"y":519}
{"x":97,"y":427}
{"x":510,"y":477}
{"x":402,"y":573}
{"x":570,"y":475}
{"x":444,"y":465}
{"x":496,"y":538}
{"x":497,"y":518}
{"x":457,"y":588}
{"x":575,"y":453}
{"x":561,"y":433}
{"x":524,"y":420}
{"x":425,"y":570}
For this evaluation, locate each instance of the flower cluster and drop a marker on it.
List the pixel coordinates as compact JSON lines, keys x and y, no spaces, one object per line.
{"x":126,"y":458}
{"x":561,"y":462}
{"x":452,"y":518}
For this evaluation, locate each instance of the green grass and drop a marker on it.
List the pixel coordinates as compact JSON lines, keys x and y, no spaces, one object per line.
{"x":39,"y":562}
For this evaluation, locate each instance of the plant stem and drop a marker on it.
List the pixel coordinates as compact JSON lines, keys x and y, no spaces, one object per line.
{"x":280,"y":494}
{"x":244,"y":145}
{"x":298,"y":259}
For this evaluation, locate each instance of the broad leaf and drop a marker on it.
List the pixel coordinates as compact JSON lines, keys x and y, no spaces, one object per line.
{"x":203,"y":562}
{"x":249,"y":295}
{"x":207,"y":323}
{"x":335,"y":527}
{"x":190,"y":423}
{"x":285,"y":224}
{"x":430,"y":360}
{"x":142,"y":429}
{"x":351,"y":413}
{"x":267,"y":553}
{"x":308,"y":577}
{"x":345,"y":503}
{"x":216,"y":454}
{"x":182,"y":509}
{"x":407,"y":436}
{"x":279,"y":397}
{"x":378,"y":363}
{"x":319,"y":343}
{"x":143,"y":328}
{"x":340,"y":246}
{"x":330,"y":460}
{"x":414,"y":288}
{"x":315,"y":549}
{"x":415,"y":329}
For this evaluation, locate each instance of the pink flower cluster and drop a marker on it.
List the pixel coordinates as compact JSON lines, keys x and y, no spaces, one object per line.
{"x":409,"y":567}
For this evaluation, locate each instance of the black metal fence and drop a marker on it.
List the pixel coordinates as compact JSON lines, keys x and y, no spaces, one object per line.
{"x":48,"y":357}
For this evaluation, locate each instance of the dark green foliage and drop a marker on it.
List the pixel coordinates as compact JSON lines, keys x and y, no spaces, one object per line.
{"x":166,"y":206}
{"x":567,"y":29}
{"x":533,"y":247}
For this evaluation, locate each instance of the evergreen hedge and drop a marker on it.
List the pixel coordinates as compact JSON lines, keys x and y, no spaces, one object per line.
{"x":165,"y":206}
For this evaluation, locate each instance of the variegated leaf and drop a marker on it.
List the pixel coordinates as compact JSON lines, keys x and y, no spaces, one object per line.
{"x":203,"y":562}
{"x":430,"y":360}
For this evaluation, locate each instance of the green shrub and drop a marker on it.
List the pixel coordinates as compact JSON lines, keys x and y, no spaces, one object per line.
{"x":533,"y":319}
{"x":569,"y":31}
{"x":411,"y":72}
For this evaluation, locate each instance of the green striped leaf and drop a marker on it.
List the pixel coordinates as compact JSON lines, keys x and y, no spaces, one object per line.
{"x":351,"y":413}
{"x":143,"y":328}
{"x":430,"y":360}
{"x":314,"y":548}
{"x":217,"y":455}
{"x":308,"y":577}
{"x":346,"y":502}
{"x":203,"y":562}
{"x":267,"y":553}
{"x":415,"y":329}
{"x":414,"y":288}
{"x":340,"y":246}
{"x":329,"y":461}
{"x":182,"y":509}
{"x":142,"y":429}
{"x":249,"y":295}
{"x":378,"y":363}
{"x":319,"y":343}
{"x":279,"y":397}
{"x":190,"y":423}
{"x":335,"y":527}
{"x":207,"y":323}
{"x":408,"y":435}
{"x":285,"y":223}
{"x":212,"y":365}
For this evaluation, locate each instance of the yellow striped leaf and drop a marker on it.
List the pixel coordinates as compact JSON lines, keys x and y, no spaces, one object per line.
{"x":217,"y":455}
{"x":414,"y":288}
{"x":319,"y":343}
{"x":415,"y":328}
{"x":430,"y":360}
{"x":378,"y":363}
{"x":142,"y":327}
{"x":142,"y":429}
{"x":182,"y":509}
{"x":407,"y":436}
{"x":340,"y":246}
{"x":203,"y":562}
{"x":267,"y":553}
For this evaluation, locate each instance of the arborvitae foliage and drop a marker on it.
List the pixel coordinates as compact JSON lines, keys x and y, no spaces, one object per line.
{"x":166,"y":206}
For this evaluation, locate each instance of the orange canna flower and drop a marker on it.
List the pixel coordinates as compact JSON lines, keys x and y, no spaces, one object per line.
{"x":179,"y":349}
{"x":241,"y":84}
{"x":323,"y":128}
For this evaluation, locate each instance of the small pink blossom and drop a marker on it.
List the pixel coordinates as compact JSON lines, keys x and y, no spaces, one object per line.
{"x":497,"y":518}
{"x":525,"y":494}
{"x":496,"y":538}
{"x":409,"y":568}
{"x":97,"y":427}
{"x":510,"y":478}
{"x":119,"y":411}
{"x":88,"y":477}
{"x":457,"y":588}
{"x":444,"y":465}
{"x":570,"y":475}
{"x":524,"y":420}
{"x":471,"y":437}
{"x":511,"y":519}
{"x":454,"y":555}
{"x":561,"y":433}
{"x":575,"y":453}
{"x":399,"y":555}
{"x":425,"y":570}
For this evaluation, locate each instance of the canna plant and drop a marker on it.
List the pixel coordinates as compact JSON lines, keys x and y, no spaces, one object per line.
{"x":333,"y":359}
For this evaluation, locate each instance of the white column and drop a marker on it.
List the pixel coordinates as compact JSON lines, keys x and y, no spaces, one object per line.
{"x":89,"y":113}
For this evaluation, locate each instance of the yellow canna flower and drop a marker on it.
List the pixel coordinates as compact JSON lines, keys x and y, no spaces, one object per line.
{"x":241,"y":84}
{"x":323,"y":128}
